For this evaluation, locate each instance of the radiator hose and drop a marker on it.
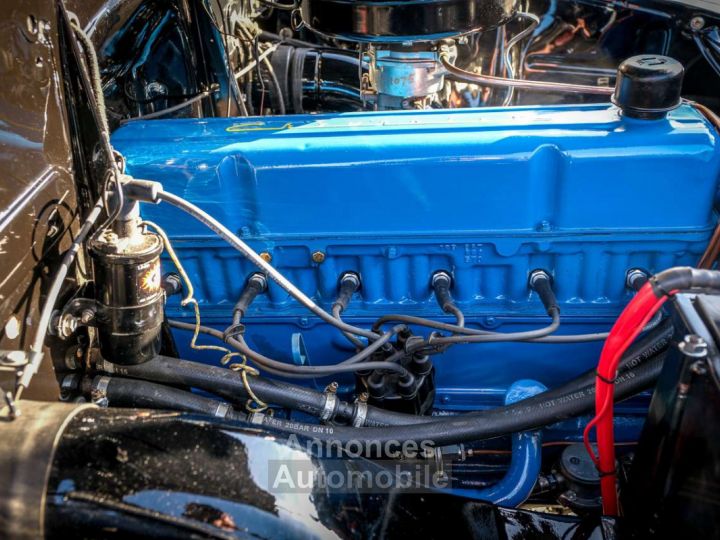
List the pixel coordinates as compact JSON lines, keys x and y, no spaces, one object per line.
{"x":641,"y":366}
{"x":533,"y":413}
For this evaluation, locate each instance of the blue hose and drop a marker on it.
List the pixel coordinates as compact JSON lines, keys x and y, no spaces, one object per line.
{"x":518,"y":482}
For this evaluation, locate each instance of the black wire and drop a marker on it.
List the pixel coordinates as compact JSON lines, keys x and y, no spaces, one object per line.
{"x":349,"y":365}
{"x":256,"y":52}
{"x":276,"y":85}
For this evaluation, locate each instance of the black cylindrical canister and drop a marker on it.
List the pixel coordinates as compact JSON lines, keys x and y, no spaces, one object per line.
{"x":129,"y":295}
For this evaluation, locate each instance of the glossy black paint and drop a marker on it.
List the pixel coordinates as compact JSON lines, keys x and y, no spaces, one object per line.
{"x":318,"y":79}
{"x":157,"y":54}
{"x":129,"y":296}
{"x":121,"y":473}
{"x":648,"y":86}
{"x":414,"y":20}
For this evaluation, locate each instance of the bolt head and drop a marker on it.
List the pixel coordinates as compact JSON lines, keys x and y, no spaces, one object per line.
{"x":67,"y":326}
{"x":693,"y":346}
{"x":318,"y":257}
{"x":265,"y":256}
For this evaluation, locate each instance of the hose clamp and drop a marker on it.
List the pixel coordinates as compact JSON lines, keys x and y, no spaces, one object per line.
{"x":104,"y":365}
{"x":361,"y":410}
{"x":100,"y":384}
{"x":257,"y":418}
{"x":329,"y":407}
{"x":222,"y":410}
{"x":98,"y":395}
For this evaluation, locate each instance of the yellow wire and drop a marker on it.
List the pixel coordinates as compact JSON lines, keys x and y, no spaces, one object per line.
{"x":189,"y":298}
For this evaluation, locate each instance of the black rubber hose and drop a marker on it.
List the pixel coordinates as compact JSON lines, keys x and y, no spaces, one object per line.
{"x":122,"y":392}
{"x":229,"y":384}
{"x":225,"y":382}
{"x":529,"y":414}
{"x":684,"y":278}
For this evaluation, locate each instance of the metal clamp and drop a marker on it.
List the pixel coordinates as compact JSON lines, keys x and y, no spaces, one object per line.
{"x":329,"y":408}
{"x":361,"y":410}
{"x":222,"y":410}
{"x":257,"y":418}
{"x":99,"y":391}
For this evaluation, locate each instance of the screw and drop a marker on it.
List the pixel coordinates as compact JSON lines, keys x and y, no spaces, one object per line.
{"x":318,"y":257}
{"x":697,"y":23}
{"x":693,"y":346}
{"x":363,"y":398}
{"x":265,"y":256}
{"x":332,"y":388}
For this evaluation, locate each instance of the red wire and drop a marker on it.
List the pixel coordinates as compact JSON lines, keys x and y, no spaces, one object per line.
{"x":632,"y":320}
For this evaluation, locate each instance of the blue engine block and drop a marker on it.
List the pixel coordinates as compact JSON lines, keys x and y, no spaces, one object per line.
{"x":489,"y":196}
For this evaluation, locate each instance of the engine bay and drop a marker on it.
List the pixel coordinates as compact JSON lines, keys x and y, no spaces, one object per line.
{"x":467,"y":243}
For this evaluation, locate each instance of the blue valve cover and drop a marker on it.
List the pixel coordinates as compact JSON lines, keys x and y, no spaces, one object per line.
{"x":488,"y":195}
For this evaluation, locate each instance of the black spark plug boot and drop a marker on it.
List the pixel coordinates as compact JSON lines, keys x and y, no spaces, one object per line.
{"x":348,"y":285}
{"x":421,"y":364}
{"x":256,"y":284}
{"x":407,"y":385}
{"x":377,"y":385}
{"x":636,"y":278}
{"x":541,"y":282}
{"x":441,"y":283}
{"x":171,"y":284}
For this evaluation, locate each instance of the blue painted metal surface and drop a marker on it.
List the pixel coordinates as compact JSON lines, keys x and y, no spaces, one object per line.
{"x":519,"y":480}
{"x":489,"y":195}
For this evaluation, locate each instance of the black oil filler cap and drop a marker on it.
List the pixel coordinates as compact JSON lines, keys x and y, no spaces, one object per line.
{"x":648,"y":86}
